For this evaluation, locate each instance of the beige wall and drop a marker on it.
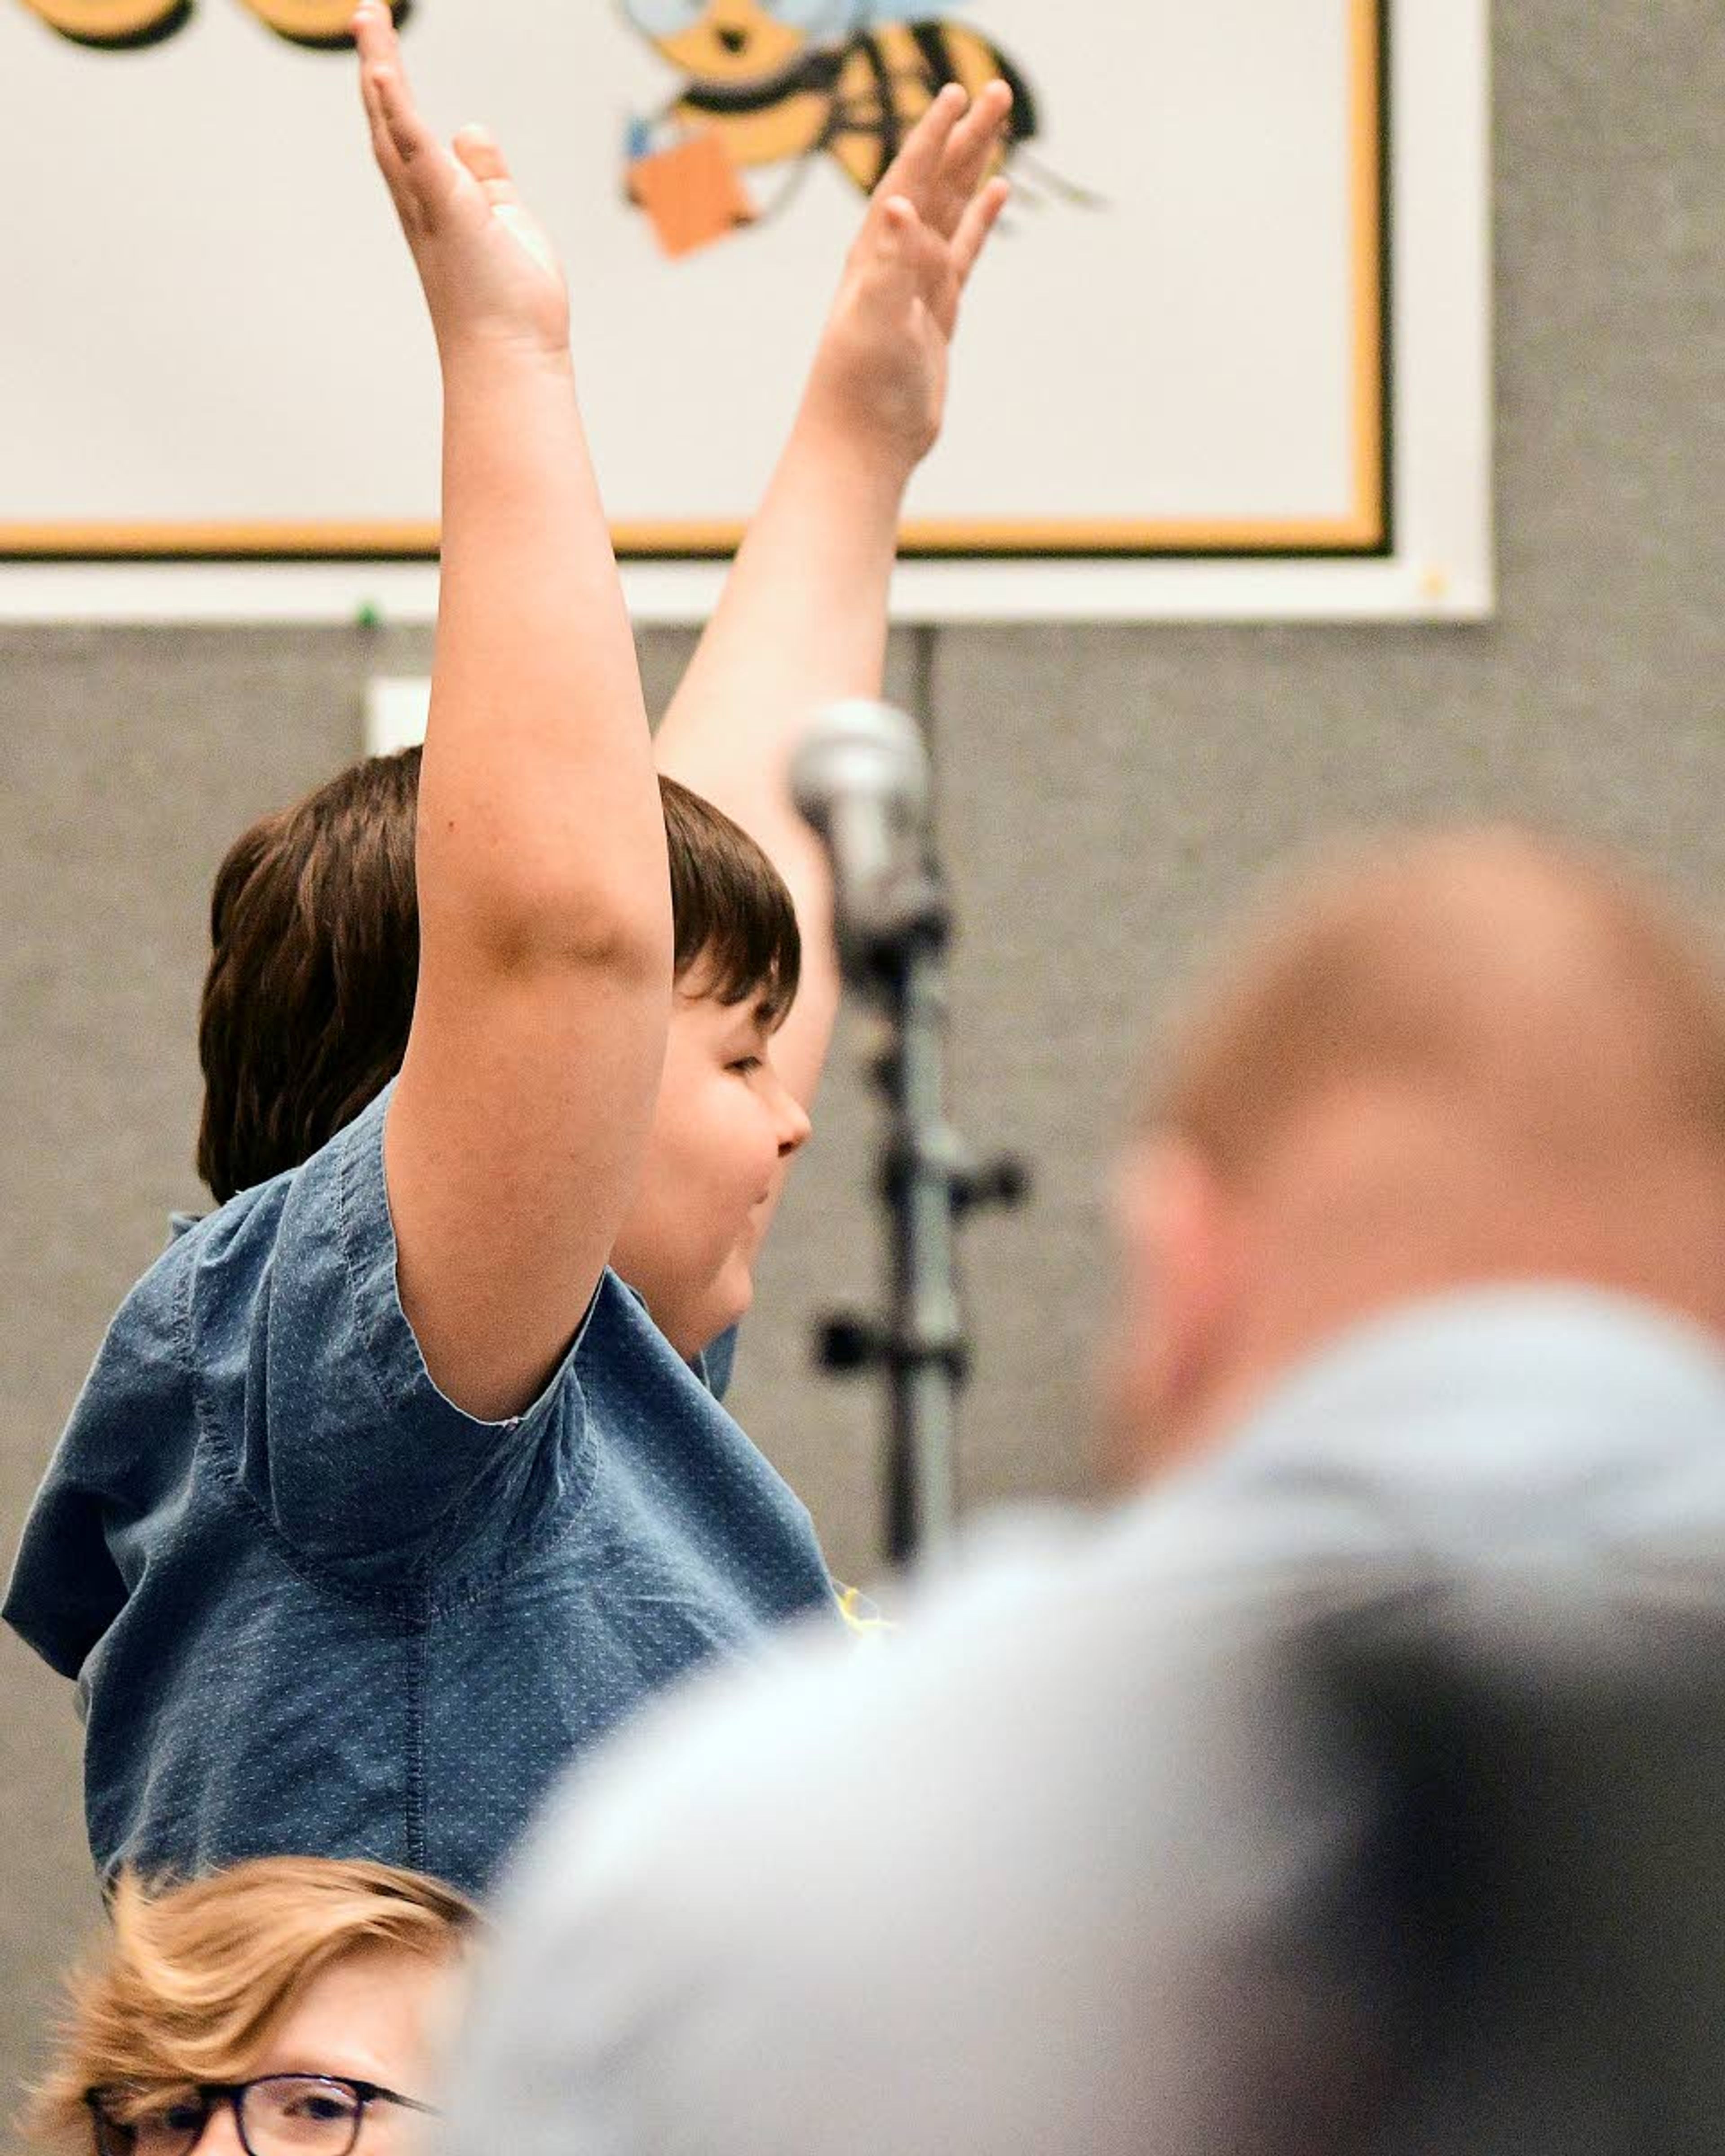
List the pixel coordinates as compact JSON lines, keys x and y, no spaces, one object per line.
{"x":1105,"y":795}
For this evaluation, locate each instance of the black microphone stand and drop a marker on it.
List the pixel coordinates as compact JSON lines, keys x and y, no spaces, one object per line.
{"x":896,"y":960}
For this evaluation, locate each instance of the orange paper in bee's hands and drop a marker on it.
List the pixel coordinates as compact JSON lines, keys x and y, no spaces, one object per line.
{"x":693,"y":193}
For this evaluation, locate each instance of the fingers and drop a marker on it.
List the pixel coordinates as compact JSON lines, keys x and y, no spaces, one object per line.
{"x":970,"y":150}
{"x":477,"y":149}
{"x":942,"y":233}
{"x":978,"y":221}
{"x":373,"y":30}
{"x":905,"y":247}
{"x":910,"y":263}
{"x":942,"y":166}
{"x":399,"y":135}
{"x":370,"y":94}
{"x":912,"y":173}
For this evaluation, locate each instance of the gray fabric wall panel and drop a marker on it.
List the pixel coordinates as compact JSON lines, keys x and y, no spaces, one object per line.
{"x":1105,"y":797}
{"x":132,"y":759}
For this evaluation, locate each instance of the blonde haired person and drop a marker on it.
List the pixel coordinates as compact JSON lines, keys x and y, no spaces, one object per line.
{"x":286,"y":2007}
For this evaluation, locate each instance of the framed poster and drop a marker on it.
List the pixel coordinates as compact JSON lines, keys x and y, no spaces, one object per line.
{"x":1229,"y":355}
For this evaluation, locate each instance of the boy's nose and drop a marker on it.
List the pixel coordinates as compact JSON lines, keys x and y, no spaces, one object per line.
{"x":795,"y":1126}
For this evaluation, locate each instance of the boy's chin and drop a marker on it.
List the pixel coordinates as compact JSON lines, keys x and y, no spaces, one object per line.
{"x":733,"y":1297}
{"x":726,"y":1303}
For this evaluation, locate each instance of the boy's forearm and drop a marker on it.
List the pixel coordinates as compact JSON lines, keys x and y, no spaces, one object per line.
{"x":802,"y":619}
{"x":541,"y":830}
{"x":802,"y":622}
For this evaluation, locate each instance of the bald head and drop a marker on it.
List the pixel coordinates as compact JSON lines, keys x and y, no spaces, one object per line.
{"x":1536,"y":995}
{"x":1467,"y":1057}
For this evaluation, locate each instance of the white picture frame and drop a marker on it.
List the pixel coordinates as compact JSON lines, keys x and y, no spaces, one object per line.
{"x":1338,"y":468}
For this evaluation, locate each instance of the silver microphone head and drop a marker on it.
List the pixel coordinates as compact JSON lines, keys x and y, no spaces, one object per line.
{"x":862,"y":748}
{"x":861,"y":778}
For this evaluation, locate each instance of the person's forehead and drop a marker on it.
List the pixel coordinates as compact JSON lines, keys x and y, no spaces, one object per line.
{"x":365,"y":2015}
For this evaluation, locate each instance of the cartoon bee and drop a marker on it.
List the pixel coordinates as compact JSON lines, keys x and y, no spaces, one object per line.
{"x":782,"y":80}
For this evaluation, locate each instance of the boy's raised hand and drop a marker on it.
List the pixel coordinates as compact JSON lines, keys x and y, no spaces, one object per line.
{"x":880,"y":374}
{"x":487,"y":269}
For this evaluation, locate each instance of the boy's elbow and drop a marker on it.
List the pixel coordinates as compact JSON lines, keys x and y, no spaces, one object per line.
{"x":626,"y":938}
{"x":561,"y":899}
{"x":633,"y":948}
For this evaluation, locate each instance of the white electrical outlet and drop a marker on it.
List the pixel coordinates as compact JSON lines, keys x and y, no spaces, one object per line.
{"x":396,"y":706}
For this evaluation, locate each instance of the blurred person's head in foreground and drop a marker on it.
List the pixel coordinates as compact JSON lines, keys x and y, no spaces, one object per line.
{"x":1456,"y":1060}
{"x":289,"y":2007}
{"x":1357,"y":1787}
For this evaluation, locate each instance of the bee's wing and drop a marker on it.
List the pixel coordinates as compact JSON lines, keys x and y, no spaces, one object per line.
{"x":874,"y":12}
{"x":826,"y":20}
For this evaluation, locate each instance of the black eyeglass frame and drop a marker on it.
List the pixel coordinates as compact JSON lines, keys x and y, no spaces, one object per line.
{"x":212,"y":2094}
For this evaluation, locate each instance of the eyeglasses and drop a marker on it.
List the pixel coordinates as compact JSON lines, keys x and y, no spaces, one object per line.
{"x":278,"y":2115}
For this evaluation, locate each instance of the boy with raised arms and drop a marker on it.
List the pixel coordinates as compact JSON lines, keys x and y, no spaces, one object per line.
{"x":399,"y":1480}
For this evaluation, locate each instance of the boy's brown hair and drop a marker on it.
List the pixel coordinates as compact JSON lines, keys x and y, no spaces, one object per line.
{"x":315,"y":955}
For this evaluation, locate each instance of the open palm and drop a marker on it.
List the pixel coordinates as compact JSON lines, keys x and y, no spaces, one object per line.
{"x":485,"y":264}
{"x":883,"y":362}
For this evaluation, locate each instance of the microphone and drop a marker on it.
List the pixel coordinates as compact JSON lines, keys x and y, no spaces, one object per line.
{"x":861,"y":778}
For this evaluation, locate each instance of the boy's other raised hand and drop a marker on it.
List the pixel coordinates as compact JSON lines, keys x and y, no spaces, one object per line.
{"x":880,"y":374}
{"x":488,"y":271}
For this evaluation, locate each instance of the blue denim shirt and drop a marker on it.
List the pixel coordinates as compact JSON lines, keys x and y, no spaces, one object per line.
{"x":313,"y":1607}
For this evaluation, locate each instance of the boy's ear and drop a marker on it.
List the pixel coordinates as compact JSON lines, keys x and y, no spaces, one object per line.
{"x":1180,"y":1275}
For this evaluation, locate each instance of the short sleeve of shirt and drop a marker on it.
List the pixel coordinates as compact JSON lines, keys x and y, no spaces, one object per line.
{"x":344,"y":1438}
{"x":122,"y":1457}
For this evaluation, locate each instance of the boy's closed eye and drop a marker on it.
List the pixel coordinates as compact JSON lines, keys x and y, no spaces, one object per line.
{"x":747,"y":1047}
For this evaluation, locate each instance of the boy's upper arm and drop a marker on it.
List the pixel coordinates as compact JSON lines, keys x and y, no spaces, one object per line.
{"x":512,"y":1148}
